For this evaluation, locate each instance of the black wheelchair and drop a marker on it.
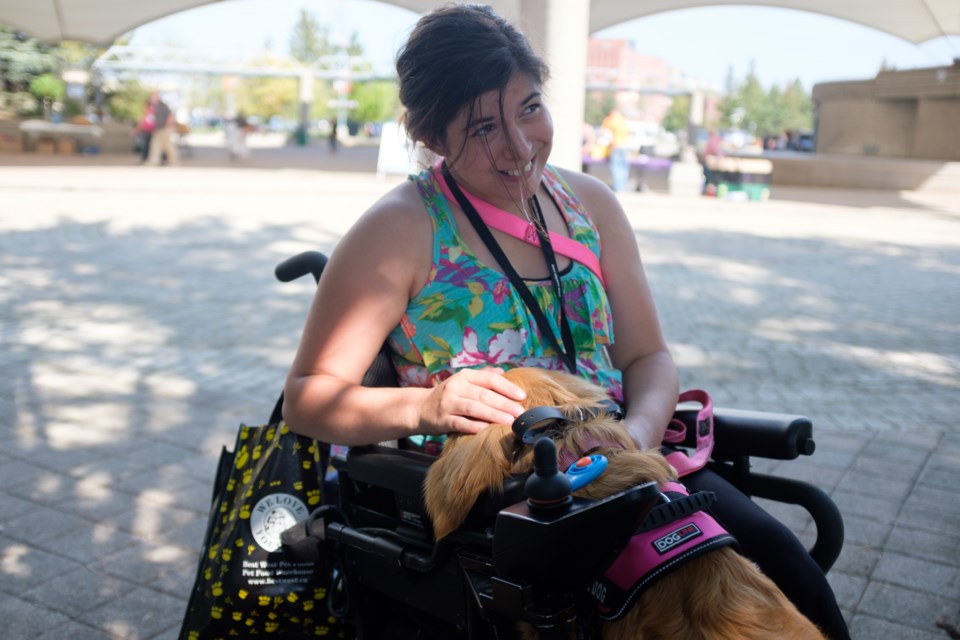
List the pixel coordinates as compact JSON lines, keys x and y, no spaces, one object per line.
{"x":392,"y":580}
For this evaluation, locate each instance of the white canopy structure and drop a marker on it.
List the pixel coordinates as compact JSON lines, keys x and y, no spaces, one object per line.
{"x":102,"y":21}
{"x":558,"y":28}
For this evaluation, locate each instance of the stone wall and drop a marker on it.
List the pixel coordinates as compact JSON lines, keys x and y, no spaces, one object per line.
{"x":906,"y":114}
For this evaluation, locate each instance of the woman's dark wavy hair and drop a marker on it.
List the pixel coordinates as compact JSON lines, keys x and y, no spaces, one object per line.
{"x":454,"y":55}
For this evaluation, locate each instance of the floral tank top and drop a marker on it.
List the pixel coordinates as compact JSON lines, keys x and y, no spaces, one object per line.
{"x":468,"y":315}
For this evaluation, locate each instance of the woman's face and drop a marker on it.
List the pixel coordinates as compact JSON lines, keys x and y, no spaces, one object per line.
{"x":498,"y":159}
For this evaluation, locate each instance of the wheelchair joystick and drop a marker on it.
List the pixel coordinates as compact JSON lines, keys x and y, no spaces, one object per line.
{"x":547,"y":488}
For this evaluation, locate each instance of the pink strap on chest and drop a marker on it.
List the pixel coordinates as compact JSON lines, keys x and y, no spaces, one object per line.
{"x":512,"y":225}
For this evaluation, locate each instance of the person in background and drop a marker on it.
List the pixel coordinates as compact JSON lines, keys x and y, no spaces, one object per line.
{"x":618,"y":132}
{"x":713,"y":149}
{"x":459,"y":301}
{"x":144,"y":130}
{"x":161,"y":143}
{"x":237,"y":129}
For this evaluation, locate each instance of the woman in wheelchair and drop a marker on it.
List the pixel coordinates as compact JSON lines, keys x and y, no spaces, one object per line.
{"x":492,"y":259}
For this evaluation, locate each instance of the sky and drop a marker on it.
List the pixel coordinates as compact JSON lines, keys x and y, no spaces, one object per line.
{"x":705,"y":43}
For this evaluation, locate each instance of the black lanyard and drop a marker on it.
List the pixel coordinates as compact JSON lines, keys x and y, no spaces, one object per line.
{"x":569,"y":354}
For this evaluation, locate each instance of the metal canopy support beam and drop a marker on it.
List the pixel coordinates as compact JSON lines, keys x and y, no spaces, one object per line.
{"x":559,"y":32}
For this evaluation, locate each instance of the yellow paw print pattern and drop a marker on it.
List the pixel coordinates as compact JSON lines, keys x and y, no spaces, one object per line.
{"x":216,"y":613}
{"x":243,"y":455}
{"x":314,"y":497}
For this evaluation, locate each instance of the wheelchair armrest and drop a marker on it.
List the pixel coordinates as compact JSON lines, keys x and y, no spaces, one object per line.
{"x":739,"y":433}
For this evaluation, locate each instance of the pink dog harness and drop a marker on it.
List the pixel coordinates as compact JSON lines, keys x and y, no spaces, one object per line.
{"x":677,"y":432}
{"x":676,"y":531}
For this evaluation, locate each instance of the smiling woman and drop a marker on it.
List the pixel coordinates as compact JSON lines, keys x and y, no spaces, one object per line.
{"x":459,"y":301}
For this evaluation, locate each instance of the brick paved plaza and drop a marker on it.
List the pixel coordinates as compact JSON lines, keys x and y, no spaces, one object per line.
{"x":140,"y":323}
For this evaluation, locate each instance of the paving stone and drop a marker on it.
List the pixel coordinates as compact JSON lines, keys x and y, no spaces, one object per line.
{"x":921,"y":575}
{"x":865,"y":627}
{"x":876,"y":509}
{"x":74,"y":631}
{"x":62,"y":594}
{"x":939,"y":546}
{"x":139,"y":613}
{"x":146,"y":326}
{"x":86,"y":545}
{"x":24,"y":619}
{"x":24,"y":567}
{"x":41,"y":523}
{"x":906,"y":606}
{"x":857,"y":559}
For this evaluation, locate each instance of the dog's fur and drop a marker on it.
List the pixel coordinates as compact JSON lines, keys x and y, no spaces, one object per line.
{"x":719,"y":595}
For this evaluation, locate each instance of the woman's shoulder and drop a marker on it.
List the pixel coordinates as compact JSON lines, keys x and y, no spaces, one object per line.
{"x":582,"y":182}
{"x":595,"y":196}
{"x":398,"y":207}
{"x":396,"y":224}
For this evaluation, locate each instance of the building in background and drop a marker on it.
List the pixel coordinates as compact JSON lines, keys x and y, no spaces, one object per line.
{"x":644,"y":86}
{"x":906,"y":114}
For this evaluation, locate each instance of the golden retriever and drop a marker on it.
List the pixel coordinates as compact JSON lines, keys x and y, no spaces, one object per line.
{"x":719,"y":595}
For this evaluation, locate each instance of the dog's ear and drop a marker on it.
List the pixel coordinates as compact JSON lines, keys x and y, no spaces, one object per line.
{"x":469,"y":465}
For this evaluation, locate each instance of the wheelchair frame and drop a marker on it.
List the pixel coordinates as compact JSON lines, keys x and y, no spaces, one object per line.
{"x":499,"y":568}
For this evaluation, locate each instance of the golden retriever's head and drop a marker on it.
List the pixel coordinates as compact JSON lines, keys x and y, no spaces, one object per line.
{"x":471,"y":464}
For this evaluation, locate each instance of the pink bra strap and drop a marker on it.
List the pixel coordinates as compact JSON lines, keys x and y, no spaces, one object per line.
{"x":510,"y":224}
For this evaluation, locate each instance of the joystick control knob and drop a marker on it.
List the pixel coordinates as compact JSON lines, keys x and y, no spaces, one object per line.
{"x":547,"y":488}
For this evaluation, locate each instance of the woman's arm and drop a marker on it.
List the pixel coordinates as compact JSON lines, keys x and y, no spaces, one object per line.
{"x":371,"y":275}
{"x":650,"y":381}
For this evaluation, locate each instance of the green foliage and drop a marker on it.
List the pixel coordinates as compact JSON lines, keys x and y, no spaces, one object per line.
{"x":268,"y":97}
{"x":597,"y":105}
{"x":376,"y":101}
{"x":749,"y":106}
{"x":128,"y":102}
{"x":47,"y":87}
{"x":308,"y":41}
{"x":678,"y":115}
{"x":22,"y":59}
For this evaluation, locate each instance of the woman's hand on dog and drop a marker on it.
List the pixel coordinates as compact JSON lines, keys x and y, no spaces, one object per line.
{"x":469,"y":401}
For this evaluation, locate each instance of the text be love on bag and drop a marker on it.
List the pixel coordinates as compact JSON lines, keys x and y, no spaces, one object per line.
{"x":248,"y":584}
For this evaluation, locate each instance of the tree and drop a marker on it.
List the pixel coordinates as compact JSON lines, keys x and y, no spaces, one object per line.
{"x":678,"y":115}
{"x":376,"y":101}
{"x":309,"y":41}
{"x":128,"y":101}
{"x":47,"y":87}
{"x":597,"y":105}
{"x":765,"y":112}
{"x":22,"y":59}
{"x":268,"y":97}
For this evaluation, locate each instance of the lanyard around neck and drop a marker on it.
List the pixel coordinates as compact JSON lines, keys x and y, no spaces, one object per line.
{"x":510,"y":224}
{"x":568,"y":352}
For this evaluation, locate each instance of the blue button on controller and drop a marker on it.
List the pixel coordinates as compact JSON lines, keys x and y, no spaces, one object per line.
{"x":586,"y":470}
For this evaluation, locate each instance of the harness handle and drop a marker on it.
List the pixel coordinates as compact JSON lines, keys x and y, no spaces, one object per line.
{"x":677,"y":433}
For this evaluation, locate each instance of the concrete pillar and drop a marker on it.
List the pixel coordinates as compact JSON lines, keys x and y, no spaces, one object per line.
{"x":306,"y":99}
{"x":697,"y":108}
{"x":559,"y":32}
